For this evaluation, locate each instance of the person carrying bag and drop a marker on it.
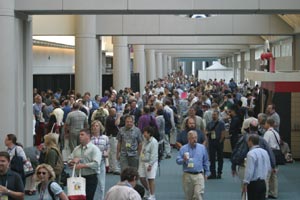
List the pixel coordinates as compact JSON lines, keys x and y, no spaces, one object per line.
{"x":280,"y":159}
{"x":76,"y":186}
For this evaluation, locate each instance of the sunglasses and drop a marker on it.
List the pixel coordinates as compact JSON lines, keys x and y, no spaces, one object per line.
{"x":39,"y":173}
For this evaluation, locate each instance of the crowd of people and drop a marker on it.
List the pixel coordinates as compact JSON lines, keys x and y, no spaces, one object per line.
{"x":127,"y":133}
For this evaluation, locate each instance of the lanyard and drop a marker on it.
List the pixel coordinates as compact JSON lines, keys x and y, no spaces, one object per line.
{"x":5,"y":180}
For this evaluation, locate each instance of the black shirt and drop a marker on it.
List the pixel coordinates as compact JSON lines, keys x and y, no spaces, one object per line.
{"x":12,"y":181}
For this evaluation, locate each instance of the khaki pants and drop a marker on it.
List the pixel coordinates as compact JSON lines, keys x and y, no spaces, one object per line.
{"x":193,"y":186}
{"x":114,"y":165}
{"x":272,"y":184}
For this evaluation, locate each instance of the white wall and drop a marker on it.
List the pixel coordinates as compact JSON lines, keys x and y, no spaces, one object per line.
{"x":51,"y":60}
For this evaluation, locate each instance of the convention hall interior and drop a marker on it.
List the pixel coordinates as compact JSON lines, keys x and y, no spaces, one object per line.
{"x":91,"y":45}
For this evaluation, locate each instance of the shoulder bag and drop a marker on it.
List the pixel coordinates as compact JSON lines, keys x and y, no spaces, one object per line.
{"x":280,"y":159}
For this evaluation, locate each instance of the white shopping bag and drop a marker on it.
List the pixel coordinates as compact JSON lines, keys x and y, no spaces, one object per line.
{"x":244,"y":196}
{"x":76,"y":187}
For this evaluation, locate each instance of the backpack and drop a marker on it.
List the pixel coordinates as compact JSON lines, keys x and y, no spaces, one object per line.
{"x":58,"y":168}
{"x":240,"y":151}
{"x":156,"y":134}
{"x":16,"y":164}
{"x":100,"y":115}
{"x":49,"y":189}
{"x":167,"y":117}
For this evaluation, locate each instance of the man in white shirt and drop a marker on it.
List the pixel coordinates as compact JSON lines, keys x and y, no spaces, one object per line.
{"x":257,"y":168}
{"x":272,"y":136}
{"x":124,"y":189}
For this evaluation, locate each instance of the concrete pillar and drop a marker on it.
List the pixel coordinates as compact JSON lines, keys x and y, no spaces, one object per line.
{"x":121,"y":70}
{"x":86,"y":58}
{"x":139,"y":65}
{"x":165,"y":65}
{"x":159,"y":65}
{"x":169,"y":64}
{"x":243,"y":66}
{"x":100,"y":66}
{"x":16,"y":82}
{"x":150,"y":65}
{"x":252,"y":64}
{"x":296,"y":52}
{"x":235,"y":67}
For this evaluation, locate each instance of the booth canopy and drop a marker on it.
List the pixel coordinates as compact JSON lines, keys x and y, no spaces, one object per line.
{"x":217,"y":66}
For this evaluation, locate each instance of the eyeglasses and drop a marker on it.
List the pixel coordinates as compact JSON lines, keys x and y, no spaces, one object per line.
{"x":39,"y":173}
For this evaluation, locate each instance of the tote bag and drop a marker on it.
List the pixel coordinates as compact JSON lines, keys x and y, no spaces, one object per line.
{"x":54,"y":134}
{"x":76,"y":187}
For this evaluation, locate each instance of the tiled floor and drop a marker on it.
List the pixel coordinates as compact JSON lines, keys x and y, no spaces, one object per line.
{"x":169,"y":187}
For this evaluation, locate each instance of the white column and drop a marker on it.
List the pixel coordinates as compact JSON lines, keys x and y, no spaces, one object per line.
{"x":121,"y":71}
{"x":235,"y":67}
{"x":86,"y":59}
{"x":252,"y":64}
{"x":8,"y":86}
{"x":139,"y":65}
{"x":243,"y":66}
{"x":296,"y":52}
{"x":16,"y":79}
{"x":165,"y":65}
{"x":169,"y":64}
{"x":150,"y":65}
{"x":25,"y":82}
{"x":100,"y":66}
{"x":159,"y":65}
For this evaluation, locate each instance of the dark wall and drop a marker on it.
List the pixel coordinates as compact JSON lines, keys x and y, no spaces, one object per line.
{"x":135,"y":82}
{"x":283,"y":108}
{"x":44,"y":82}
{"x":67,"y":82}
{"x":107,"y":82}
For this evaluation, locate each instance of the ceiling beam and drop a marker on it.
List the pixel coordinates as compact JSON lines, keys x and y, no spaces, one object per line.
{"x":196,"y":40}
{"x":157,"y":6}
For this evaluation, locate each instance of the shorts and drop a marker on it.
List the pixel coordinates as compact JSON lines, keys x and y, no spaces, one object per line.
{"x":147,"y":174}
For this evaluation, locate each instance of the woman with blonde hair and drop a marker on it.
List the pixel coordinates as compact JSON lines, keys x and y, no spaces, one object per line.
{"x":53,"y":155}
{"x":48,"y":189}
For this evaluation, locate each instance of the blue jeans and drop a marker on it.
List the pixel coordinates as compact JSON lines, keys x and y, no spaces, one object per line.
{"x":99,"y":194}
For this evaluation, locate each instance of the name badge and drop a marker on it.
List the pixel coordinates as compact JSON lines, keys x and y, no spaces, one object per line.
{"x":190,"y":163}
{"x":3,"y":197}
{"x":213,"y":135}
{"x":128,"y":145}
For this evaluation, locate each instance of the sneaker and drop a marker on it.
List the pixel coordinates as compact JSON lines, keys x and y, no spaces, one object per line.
{"x":147,"y":195}
{"x":116,"y":173}
{"x":168,"y":157}
{"x":219,"y":176}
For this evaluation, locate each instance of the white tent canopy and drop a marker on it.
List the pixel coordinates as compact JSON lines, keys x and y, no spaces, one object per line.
{"x":216,"y":70}
{"x":216,"y":66}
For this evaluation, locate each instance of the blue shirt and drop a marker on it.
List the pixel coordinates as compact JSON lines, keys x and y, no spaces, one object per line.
{"x":258,"y":165}
{"x":199,"y":156}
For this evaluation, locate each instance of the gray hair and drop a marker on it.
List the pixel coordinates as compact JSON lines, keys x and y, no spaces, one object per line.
{"x":192,"y":133}
{"x":263,"y":118}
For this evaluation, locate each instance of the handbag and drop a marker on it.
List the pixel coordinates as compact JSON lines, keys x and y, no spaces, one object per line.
{"x":28,"y":169}
{"x":76,"y":186}
{"x":54,"y":134}
{"x":279,"y":157}
{"x":16,"y":164}
{"x":244,"y":196}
